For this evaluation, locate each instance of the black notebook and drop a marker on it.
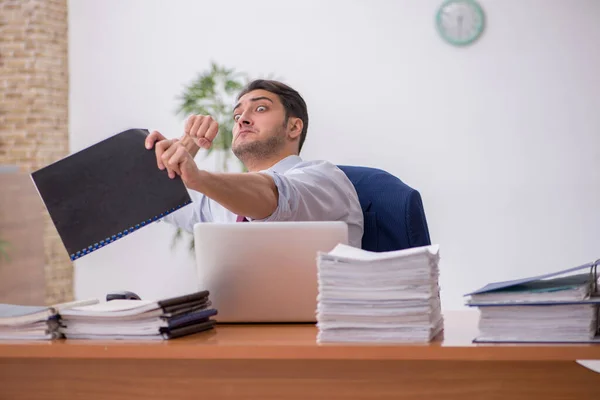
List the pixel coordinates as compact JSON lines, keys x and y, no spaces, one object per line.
{"x":107,"y":191}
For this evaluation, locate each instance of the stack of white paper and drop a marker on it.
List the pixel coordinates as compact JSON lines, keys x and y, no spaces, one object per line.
{"x":378,"y":297}
{"x":23,"y":322}
{"x":27,"y":322}
{"x":528,"y":323}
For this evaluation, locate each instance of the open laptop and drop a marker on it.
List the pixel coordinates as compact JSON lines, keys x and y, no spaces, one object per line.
{"x":263,"y":271}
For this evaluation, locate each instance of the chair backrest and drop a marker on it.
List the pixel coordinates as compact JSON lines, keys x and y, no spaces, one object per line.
{"x":394,"y":218}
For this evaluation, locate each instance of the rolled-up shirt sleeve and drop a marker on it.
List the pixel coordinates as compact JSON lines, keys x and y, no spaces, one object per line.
{"x":319,"y":192}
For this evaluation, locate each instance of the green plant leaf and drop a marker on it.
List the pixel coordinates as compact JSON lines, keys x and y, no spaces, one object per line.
{"x":232,"y":86}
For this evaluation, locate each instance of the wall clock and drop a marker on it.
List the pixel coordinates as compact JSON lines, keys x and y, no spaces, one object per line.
{"x":460,"y":22}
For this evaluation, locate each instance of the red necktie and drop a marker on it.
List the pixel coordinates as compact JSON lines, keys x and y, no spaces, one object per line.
{"x":241,"y":219}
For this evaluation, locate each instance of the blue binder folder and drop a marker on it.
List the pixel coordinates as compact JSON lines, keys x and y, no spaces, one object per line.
{"x":591,"y":267}
{"x":558,"y":307}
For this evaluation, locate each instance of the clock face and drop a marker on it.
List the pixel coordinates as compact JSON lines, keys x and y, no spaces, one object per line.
{"x":460,"y":22}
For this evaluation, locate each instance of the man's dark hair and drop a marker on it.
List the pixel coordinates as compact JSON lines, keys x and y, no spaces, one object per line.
{"x":293,"y":103}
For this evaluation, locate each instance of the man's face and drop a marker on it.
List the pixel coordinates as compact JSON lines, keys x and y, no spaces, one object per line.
{"x":259,"y":125}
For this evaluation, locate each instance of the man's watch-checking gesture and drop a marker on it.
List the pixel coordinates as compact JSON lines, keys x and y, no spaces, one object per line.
{"x":177,"y":155}
{"x":250,"y":194}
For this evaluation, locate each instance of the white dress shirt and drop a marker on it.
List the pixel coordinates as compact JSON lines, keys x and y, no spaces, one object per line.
{"x":308,"y":191}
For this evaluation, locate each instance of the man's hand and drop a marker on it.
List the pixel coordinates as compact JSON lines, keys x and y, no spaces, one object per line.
{"x":154,"y":137}
{"x":202,"y":129}
{"x":174,"y":157}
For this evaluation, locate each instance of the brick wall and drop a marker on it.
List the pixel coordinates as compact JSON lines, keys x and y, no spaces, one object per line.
{"x":34,"y":107}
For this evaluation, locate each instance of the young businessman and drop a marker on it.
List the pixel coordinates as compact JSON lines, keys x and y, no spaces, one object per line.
{"x":271,"y":122}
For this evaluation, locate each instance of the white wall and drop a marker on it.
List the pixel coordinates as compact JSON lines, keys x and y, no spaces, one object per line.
{"x":502,"y":138}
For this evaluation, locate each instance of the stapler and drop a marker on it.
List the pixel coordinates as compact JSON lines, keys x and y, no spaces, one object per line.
{"x":122,"y":295}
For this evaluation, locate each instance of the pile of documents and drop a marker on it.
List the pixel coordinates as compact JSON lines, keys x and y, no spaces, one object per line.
{"x":27,"y":322}
{"x":378,"y":297}
{"x":555,"y":307}
{"x":139,"y":319}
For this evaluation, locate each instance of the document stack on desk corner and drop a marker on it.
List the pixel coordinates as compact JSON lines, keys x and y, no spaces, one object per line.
{"x":559,"y":307}
{"x":26,"y":322}
{"x":140,"y":319}
{"x":378,"y":297}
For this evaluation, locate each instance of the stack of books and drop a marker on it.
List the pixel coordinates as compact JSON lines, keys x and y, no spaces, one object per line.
{"x":26,"y":322}
{"x":140,"y":319}
{"x":560,"y":307}
{"x":378,"y":297}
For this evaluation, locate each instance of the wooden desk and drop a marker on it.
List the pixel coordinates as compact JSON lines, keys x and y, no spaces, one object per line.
{"x":284,"y":362}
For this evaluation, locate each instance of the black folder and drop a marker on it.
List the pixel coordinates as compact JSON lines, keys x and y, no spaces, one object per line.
{"x":107,"y":191}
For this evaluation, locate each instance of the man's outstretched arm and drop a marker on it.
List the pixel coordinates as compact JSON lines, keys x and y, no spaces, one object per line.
{"x":252,"y":195}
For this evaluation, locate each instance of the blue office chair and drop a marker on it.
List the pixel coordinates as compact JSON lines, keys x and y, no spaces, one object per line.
{"x":393,"y":211}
